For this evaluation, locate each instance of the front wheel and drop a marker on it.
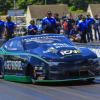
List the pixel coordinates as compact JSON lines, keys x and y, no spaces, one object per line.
{"x":90,"y":80}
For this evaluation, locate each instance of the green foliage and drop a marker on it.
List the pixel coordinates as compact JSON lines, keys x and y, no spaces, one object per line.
{"x":77,"y":11}
{"x":0,"y":13}
{"x":74,"y":5}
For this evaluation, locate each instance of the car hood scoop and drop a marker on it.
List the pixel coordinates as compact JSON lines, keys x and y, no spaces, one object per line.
{"x":63,"y":51}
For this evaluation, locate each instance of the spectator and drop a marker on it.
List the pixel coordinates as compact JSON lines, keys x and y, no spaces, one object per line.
{"x":89,"y":22}
{"x":58,"y":23}
{"x":74,"y":34}
{"x":41,"y":27}
{"x":83,"y":29}
{"x":32,"y":29}
{"x":99,"y":26}
{"x":49,"y":24}
{"x":73,"y":21}
{"x":68,"y":25}
{"x":78,"y":19}
{"x":9,"y":28}
{"x":63,"y":20}
{"x":1,"y":28}
{"x":95,"y":26}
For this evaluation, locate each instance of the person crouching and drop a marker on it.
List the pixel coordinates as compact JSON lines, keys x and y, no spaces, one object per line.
{"x":74,"y":34}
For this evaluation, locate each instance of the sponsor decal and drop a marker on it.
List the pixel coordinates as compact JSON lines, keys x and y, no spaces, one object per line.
{"x":67,"y":52}
{"x":67,"y":55}
{"x":43,"y":37}
{"x":51,"y":49}
{"x":13,"y":65}
{"x":41,"y":78}
{"x":38,"y":68}
{"x":59,"y":45}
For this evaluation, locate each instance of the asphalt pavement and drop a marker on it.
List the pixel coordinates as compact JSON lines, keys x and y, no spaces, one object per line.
{"x":74,"y":90}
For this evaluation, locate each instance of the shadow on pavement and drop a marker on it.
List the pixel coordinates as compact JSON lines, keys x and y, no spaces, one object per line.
{"x":70,"y":83}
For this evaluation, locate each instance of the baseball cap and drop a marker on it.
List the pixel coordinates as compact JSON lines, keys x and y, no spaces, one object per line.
{"x":56,"y":14}
{"x":80,"y":14}
{"x":95,"y":15}
{"x":49,"y":12}
{"x":32,"y":20}
{"x":87,"y":14}
{"x":83,"y":17}
{"x":8,"y":16}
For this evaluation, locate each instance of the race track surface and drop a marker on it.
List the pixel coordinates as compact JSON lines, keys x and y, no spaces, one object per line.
{"x":75,"y":90}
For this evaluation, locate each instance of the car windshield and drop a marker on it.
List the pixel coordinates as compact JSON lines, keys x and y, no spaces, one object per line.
{"x":32,"y":43}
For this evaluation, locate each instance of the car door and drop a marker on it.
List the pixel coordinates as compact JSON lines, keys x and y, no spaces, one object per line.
{"x":3,"y":56}
{"x":13,"y":58}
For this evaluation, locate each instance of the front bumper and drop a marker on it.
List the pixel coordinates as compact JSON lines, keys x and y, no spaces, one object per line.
{"x":75,"y":71}
{"x":70,"y":72}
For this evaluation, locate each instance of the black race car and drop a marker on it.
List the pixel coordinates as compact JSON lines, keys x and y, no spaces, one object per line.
{"x":46,"y":58}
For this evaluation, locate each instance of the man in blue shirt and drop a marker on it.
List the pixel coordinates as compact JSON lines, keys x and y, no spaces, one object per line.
{"x":58,"y":23}
{"x":78,"y":19}
{"x":1,"y":27}
{"x":96,"y":22}
{"x":83,"y":29}
{"x":32,"y":29}
{"x":9,"y":28}
{"x":49,"y":24}
{"x":89,"y":22}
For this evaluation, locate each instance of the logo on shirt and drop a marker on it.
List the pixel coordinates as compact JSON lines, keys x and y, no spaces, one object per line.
{"x":0,"y":22}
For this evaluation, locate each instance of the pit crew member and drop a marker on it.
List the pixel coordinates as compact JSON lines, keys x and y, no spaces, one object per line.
{"x":9,"y":28}
{"x":49,"y":24}
{"x":32,"y":29}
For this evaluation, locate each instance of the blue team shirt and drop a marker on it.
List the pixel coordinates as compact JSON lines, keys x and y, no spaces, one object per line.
{"x":82,"y":25}
{"x":96,"y":23}
{"x":2,"y":24}
{"x":10,"y":24}
{"x":58,"y":26}
{"x":46,"y":21}
{"x":76,"y":19}
{"x":30,"y":27}
{"x":89,"y":21}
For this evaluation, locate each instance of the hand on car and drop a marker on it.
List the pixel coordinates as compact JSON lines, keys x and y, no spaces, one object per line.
{"x":56,"y":31}
{"x":43,"y":32}
{"x":13,"y":35}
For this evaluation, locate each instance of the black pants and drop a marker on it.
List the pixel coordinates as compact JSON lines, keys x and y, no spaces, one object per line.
{"x":1,"y":35}
{"x":83,"y":37}
{"x":49,"y":31}
{"x":8,"y":36}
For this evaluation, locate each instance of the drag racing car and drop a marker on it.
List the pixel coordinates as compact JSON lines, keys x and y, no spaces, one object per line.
{"x":46,"y":58}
